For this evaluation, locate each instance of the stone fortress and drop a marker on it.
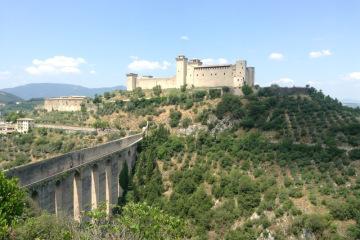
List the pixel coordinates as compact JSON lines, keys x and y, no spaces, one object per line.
{"x":194,"y":74}
{"x":65,"y":104}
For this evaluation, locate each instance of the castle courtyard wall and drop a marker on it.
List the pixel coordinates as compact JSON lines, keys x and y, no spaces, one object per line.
{"x":149,"y":83}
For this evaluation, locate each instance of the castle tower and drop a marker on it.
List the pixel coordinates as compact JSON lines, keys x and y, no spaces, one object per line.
{"x":240,"y":73}
{"x":250,"y":76}
{"x":131,"y":81}
{"x":181,"y":70}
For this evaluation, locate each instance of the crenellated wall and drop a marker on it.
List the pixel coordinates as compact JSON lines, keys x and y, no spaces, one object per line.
{"x":79,"y":180}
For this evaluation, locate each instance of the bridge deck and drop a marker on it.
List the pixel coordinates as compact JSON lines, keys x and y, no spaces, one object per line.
{"x":37,"y":172}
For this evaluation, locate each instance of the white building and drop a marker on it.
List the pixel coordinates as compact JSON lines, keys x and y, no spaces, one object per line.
{"x":24,"y":125}
{"x":194,"y":74}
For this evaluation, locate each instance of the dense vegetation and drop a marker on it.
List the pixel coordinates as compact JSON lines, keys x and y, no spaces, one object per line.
{"x":41,"y":143}
{"x":293,"y":172}
{"x":272,"y":163}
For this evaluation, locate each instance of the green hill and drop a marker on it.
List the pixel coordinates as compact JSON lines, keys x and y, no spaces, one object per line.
{"x":8,"y":98}
{"x":280,"y":163}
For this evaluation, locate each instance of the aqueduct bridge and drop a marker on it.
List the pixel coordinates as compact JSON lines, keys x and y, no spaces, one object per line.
{"x":80,"y":180}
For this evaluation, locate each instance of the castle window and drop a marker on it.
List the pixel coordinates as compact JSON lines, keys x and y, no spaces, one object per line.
{"x":224,"y":73}
{"x":215,"y":74}
{"x":197,"y":74}
{"x":203,"y":74}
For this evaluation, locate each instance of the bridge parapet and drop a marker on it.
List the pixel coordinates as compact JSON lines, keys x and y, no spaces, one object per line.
{"x":33,"y":173}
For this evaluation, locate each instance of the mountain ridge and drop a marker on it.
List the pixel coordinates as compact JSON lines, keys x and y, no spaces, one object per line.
{"x":8,"y":97}
{"x":44,"y":90}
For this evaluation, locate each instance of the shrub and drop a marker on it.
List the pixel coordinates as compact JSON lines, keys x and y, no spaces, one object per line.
{"x":354,"y":154}
{"x":186,"y":122}
{"x":157,"y":90}
{"x":175,"y":117}
{"x":214,"y":93}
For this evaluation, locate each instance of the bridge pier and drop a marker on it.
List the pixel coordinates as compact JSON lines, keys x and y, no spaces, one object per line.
{"x":94,"y":186}
{"x":77,"y":196}
{"x":108,"y":186}
{"x":58,"y":197}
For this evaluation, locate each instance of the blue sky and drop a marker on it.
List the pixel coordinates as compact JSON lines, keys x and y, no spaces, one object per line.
{"x":95,"y":43}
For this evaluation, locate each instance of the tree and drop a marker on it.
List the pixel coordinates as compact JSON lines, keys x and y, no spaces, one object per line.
{"x":107,"y":95}
{"x":97,"y":99}
{"x":247,"y":90}
{"x":12,"y":203}
{"x":231,"y":105}
{"x":183,"y":88}
{"x":149,"y":222}
{"x":157,"y":90}
{"x":138,"y":92}
{"x":100,"y":124}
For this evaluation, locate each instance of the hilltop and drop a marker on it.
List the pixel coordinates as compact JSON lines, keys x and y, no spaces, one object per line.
{"x":44,"y":90}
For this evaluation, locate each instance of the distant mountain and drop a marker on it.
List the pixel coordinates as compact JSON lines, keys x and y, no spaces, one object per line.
{"x":8,"y":97}
{"x":44,"y":90}
{"x":353,"y":105}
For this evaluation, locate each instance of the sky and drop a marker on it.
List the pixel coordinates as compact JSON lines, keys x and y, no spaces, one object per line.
{"x":95,"y":43}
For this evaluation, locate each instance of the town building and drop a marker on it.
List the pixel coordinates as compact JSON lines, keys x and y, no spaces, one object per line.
{"x":194,"y":74}
{"x":7,"y":128}
{"x":23,"y":125}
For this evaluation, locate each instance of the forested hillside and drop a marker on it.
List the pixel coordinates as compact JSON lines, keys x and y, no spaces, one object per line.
{"x":288,"y":166}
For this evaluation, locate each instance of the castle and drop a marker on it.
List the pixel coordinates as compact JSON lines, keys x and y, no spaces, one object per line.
{"x":194,"y":74}
{"x":65,"y":104}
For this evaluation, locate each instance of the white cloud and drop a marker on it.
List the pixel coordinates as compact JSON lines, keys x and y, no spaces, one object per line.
{"x":4,"y":74}
{"x":354,"y":76}
{"x":211,"y":61}
{"x":140,"y":64}
{"x":322,"y":53}
{"x":185,"y":38}
{"x":92,"y":72}
{"x":55,"y":65}
{"x":276,"y":56}
{"x":288,"y":82}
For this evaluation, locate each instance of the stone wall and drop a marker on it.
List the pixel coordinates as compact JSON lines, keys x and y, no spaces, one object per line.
{"x":63,"y":105}
{"x":213,"y":76}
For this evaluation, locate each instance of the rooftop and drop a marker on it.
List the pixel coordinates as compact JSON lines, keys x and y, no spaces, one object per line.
{"x":214,"y":66}
{"x":25,"y":119}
